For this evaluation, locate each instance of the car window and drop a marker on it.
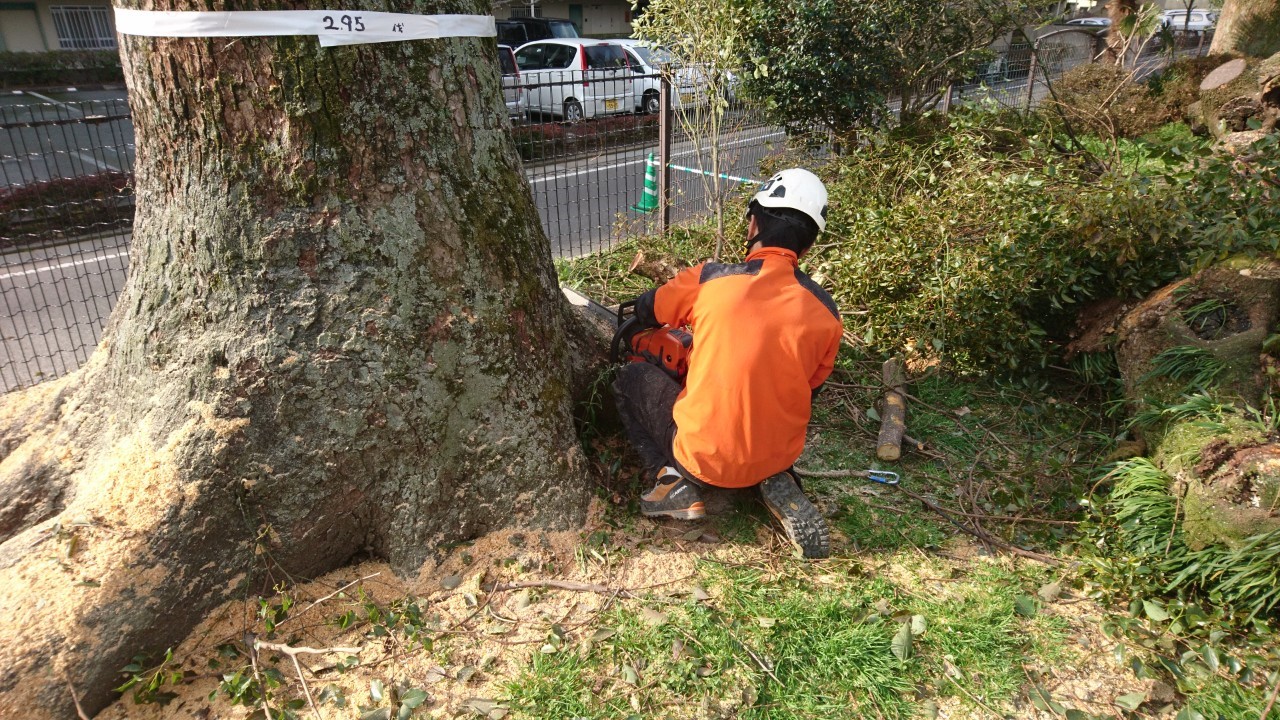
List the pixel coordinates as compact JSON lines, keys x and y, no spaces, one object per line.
{"x":634,"y":61}
{"x":545,"y":57}
{"x":561,"y":57}
{"x":532,"y":57}
{"x":510,"y":33}
{"x":506,"y":61}
{"x":562,"y":29}
{"x":605,"y":57}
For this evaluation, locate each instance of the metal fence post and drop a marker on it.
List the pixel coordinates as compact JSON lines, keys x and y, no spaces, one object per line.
{"x":665,"y":119}
{"x":1031,"y":74}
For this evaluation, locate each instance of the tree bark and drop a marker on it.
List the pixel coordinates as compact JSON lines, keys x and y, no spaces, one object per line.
{"x":1118,"y":11}
{"x":1247,"y":27}
{"x":341,"y":335}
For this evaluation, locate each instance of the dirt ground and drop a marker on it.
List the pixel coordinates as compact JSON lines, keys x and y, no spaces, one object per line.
{"x":495,"y":624}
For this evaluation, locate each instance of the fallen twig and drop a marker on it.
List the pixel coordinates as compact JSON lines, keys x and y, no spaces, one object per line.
{"x":768,"y":670}
{"x":564,"y":585}
{"x":76,"y":700}
{"x":304,"y":650}
{"x":1271,"y":701}
{"x":982,"y":535}
{"x":252,"y":645}
{"x":326,"y":597}
{"x":293,"y":653}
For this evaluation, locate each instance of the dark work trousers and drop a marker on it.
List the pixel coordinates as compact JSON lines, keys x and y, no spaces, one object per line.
{"x":645,"y":396}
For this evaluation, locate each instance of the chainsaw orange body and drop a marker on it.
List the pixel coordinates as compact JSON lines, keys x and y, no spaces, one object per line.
{"x":666,"y":347}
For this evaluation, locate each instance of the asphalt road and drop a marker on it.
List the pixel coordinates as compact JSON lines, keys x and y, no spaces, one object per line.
{"x":56,"y":299}
{"x":586,"y":204}
{"x":63,"y":135}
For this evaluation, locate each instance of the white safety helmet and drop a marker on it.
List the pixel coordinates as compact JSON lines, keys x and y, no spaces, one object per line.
{"x":797,"y":189}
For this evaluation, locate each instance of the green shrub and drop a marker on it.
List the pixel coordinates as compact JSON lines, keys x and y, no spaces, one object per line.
{"x":549,"y":140}
{"x":1178,"y":85}
{"x":60,"y":67}
{"x":977,"y":240}
{"x":834,"y":64}
{"x":66,"y":206}
{"x":1102,"y":99}
{"x":1231,"y":202}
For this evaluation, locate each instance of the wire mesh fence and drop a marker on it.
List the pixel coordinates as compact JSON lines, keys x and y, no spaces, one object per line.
{"x":588,"y":179}
{"x":66,"y":208}
{"x":600,"y":163}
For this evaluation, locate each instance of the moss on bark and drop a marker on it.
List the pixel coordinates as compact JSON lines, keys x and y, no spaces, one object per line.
{"x":341,"y":334}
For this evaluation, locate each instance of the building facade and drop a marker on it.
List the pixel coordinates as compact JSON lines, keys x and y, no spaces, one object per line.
{"x":53,"y":25}
{"x":608,"y":18}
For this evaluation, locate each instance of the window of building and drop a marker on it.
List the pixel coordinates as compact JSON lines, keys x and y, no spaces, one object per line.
{"x":83,"y":27}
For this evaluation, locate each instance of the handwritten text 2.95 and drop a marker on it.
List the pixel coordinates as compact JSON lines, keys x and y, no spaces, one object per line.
{"x":349,"y":22}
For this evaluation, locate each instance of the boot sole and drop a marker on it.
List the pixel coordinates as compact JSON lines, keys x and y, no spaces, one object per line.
{"x":696,"y":511}
{"x":801,"y":522}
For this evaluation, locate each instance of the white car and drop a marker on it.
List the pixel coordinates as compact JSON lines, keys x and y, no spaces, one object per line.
{"x":1190,"y":21}
{"x":647,"y":64}
{"x":1091,"y":22}
{"x":576,"y":78}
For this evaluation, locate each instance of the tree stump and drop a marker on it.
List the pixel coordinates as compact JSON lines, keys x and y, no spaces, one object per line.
{"x":1226,"y":472}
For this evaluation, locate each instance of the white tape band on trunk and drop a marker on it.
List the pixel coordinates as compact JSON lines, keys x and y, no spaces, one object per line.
{"x":333,"y":27}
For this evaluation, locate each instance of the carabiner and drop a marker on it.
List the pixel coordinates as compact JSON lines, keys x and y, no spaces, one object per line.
{"x":884,"y":477}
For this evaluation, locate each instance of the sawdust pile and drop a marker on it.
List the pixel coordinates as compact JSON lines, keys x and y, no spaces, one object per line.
{"x":494,"y":632}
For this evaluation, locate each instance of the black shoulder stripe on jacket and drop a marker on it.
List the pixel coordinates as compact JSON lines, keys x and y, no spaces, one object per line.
{"x":714,"y":271}
{"x":807,"y":283}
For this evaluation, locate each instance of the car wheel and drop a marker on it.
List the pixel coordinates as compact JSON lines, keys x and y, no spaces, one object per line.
{"x":572,"y":110}
{"x":651,"y":103}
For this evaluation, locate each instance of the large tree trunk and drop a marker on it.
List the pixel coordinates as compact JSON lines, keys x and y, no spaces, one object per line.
{"x":1117,"y":45}
{"x":1247,"y":27}
{"x":341,"y":335}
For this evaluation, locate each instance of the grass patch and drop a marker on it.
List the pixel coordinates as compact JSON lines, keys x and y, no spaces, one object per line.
{"x":785,"y":643}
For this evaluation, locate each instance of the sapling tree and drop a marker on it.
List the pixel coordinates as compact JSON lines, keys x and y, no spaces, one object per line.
{"x":702,"y":39}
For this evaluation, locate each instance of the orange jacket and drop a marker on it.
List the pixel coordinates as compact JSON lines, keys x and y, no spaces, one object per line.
{"x":765,"y":338}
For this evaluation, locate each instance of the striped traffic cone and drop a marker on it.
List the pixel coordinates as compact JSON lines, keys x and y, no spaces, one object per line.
{"x":649,"y":200}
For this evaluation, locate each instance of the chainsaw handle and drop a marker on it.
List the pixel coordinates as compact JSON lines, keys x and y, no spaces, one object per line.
{"x":626,"y":328}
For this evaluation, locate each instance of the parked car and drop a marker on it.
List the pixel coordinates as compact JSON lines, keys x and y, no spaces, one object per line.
{"x":1092,"y":23}
{"x":1192,"y":21}
{"x":518,"y":31}
{"x":576,"y":79}
{"x":647,"y":64}
{"x":512,"y":91}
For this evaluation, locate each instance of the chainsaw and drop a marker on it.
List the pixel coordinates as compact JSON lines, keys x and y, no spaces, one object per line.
{"x":666,"y":347}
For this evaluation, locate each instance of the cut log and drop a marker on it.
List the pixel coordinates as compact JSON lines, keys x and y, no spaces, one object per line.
{"x":893,"y":413}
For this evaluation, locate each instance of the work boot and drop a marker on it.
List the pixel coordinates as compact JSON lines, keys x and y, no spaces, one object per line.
{"x":674,"y":496}
{"x":801,"y":522}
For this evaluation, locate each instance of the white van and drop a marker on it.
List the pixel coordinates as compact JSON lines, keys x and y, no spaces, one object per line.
{"x":575,"y":78}
{"x":1193,"y":21}
{"x":647,"y":63}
